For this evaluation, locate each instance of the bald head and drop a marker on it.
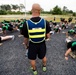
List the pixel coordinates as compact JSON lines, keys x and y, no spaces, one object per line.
{"x":36,"y":7}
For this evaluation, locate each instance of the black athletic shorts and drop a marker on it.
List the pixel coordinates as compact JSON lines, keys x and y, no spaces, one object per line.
{"x":36,"y":49}
{"x":69,"y":45}
{"x":73,"y":48}
{"x":0,"y":40}
{"x":10,"y":28}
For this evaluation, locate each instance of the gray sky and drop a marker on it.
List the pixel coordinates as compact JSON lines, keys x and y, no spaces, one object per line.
{"x":45,"y":4}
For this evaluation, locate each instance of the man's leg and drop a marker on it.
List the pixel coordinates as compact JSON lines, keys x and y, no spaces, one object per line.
{"x":44,"y":61}
{"x":4,"y":32}
{"x":67,"y":53}
{"x":33,"y":66}
{"x":7,"y":37}
{"x":44,"y":64}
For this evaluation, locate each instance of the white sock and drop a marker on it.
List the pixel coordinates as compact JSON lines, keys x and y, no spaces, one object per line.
{"x":11,"y":36}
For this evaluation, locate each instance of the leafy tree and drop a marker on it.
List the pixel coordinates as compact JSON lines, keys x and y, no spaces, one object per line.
{"x":70,"y":11}
{"x":74,"y":14}
{"x":64,"y":8}
{"x":15,"y":7}
{"x":8,"y":7}
{"x":2,"y":7}
{"x":21,"y":7}
{"x":5,"y":7}
{"x":3,"y":12}
{"x":56,"y":11}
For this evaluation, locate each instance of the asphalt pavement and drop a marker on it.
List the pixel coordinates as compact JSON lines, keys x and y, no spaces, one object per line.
{"x":14,"y":62}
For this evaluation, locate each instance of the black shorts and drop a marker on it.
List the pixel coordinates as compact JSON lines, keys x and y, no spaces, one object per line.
{"x":0,"y":40}
{"x":10,"y":28}
{"x":63,"y":26}
{"x":36,"y":49}
{"x":72,"y":33}
{"x":69,"y":45}
{"x":73,"y":48}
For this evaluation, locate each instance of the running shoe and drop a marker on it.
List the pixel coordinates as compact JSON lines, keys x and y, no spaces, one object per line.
{"x":44,"y":68}
{"x":13,"y":37}
{"x":26,"y":54}
{"x":72,"y":55}
{"x":34,"y":71}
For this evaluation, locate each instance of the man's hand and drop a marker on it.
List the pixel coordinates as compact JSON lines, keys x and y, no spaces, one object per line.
{"x":66,"y":58}
{"x":1,"y":44}
{"x":26,"y":43}
{"x":48,"y":36}
{"x":27,"y":47}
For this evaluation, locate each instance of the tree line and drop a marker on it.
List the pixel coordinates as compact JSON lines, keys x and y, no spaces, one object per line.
{"x":58,"y":11}
{"x":11,"y":9}
{"x":8,"y":9}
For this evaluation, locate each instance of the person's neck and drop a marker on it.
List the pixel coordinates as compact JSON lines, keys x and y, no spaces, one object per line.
{"x":35,"y":15}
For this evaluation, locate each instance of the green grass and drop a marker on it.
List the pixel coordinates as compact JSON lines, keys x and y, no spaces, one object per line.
{"x":46,"y":16}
